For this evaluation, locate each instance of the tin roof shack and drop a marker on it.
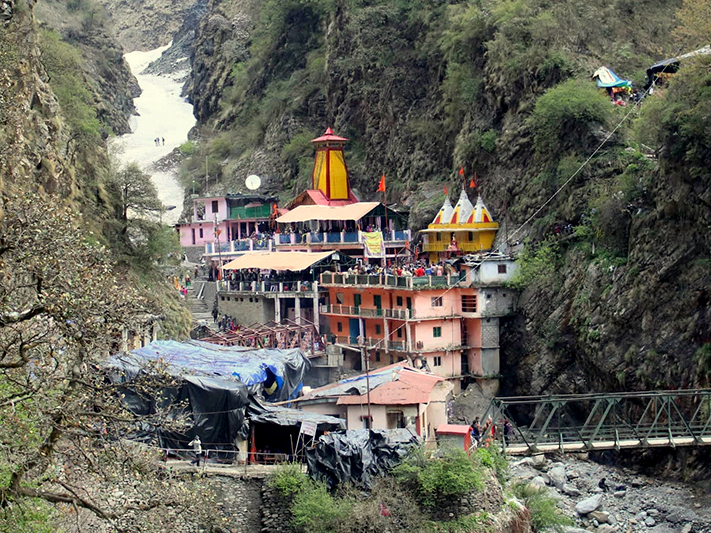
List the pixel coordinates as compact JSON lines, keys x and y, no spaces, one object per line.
{"x":454,"y":435}
{"x":400,"y":397}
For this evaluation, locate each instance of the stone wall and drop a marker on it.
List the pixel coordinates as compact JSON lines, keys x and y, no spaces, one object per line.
{"x":240,"y":502}
{"x":276,"y":515}
{"x":246,"y":309}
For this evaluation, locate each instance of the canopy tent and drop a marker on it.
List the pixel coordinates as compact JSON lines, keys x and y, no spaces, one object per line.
{"x":305,"y":213}
{"x":294,"y":261}
{"x":606,"y":78}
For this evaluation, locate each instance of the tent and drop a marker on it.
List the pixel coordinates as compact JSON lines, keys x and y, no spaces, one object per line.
{"x":671,"y":65}
{"x":606,"y":78}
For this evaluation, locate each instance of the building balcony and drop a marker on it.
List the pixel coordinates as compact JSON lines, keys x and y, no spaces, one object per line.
{"x":337,"y":238}
{"x":368,"y":342}
{"x":239,"y":245}
{"x":385,"y":280}
{"x":294,"y":289}
{"x":348,"y":310}
{"x":443,"y":246}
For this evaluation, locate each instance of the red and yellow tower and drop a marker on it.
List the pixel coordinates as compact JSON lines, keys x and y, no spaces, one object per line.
{"x":330,"y":174}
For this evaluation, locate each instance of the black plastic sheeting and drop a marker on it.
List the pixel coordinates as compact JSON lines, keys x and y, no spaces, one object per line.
{"x":285,"y":416}
{"x":358,"y":456}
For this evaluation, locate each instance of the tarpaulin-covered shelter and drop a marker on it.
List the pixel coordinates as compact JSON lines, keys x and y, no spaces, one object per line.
{"x":358,"y":456}
{"x":608,"y":79}
{"x":671,"y":65}
{"x":292,"y":261}
{"x":278,"y":373}
{"x":214,"y":384}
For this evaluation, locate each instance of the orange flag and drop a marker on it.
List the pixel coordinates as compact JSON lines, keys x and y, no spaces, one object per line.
{"x":445,"y":190}
{"x":461,"y":171}
{"x":381,"y":187}
{"x":472,"y":183}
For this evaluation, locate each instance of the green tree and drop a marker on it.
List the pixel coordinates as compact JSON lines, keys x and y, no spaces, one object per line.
{"x":136,"y":194}
{"x":694,"y":23}
{"x":62,"y":309}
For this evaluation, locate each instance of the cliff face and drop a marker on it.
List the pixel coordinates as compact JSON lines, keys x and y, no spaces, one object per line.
{"x":29,"y":131}
{"x":617,"y":297}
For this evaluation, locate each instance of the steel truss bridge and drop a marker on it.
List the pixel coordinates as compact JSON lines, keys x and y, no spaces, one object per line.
{"x":602,"y":421}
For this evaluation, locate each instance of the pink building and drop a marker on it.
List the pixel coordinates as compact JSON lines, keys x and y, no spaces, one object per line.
{"x":400,"y":397}
{"x":236,"y":216}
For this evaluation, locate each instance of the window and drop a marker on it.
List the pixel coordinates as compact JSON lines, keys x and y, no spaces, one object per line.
{"x":502,"y":269}
{"x":378,"y":301}
{"x":339,"y":298}
{"x":339,"y":327}
{"x":377,"y":356}
{"x":398,"y":301}
{"x":471,"y":236}
{"x":399,"y":333}
{"x":201,"y":233}
{"x":193,"y":230}
{"x":437,"y":301}
{"x":437,"y":331}
{"x":366,"y":422}
{"x":214,"y":206}
{"x":408,"y":301}
{"x":377,"y":329}
{"x":469,"y":303}
{"x":437,"y":361}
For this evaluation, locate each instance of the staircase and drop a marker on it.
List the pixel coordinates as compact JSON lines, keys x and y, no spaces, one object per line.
{"x":198,"y":306}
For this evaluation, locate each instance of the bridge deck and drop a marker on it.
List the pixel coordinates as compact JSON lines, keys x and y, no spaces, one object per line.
{"x":524,"y":449}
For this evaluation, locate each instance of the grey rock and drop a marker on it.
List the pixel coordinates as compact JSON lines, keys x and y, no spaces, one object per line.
{"x":547,"y":479}
{"x":601,"y":516}
{"x":570,"y":490}
{"x":595,"y":523}
{"x":606,"y":528}
{"x":588,"y":505}
{"x":679,"y":515}
{"x":571,"y":529}
{"x":652,"y":512}
{"x":686,"y":529}
{"x":557,"y":475}
{"x":619,"y":493}
{"x":640,"y":516}
{"x":539,"y":461}
{"x":538,"y":481}
{"x":649,"y":521}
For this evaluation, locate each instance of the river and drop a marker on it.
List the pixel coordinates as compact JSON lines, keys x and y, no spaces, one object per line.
{"x":163,"y":114}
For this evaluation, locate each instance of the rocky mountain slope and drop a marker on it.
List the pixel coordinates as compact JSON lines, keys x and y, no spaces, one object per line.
{"x":618,"y":299}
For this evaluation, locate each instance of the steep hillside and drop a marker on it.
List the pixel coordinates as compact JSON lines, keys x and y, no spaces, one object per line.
{"x":618,"y":298}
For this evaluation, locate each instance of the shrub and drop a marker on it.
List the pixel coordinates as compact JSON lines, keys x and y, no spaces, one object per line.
{"x":187,"y":148}
{"x":288,"y":479}
{"x":451,"y":475}
{"x":316,"y":511}
{"x":493,"y":458}
{"x":545,"y":514}
{"x":536,"y":266}
{"x":564,"y":116}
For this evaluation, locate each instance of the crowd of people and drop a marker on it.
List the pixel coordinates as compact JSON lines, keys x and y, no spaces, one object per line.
{"x":415,"y":269}
{"x":485,"y":434}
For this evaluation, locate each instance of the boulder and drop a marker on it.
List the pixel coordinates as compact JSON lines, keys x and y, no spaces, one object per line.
{"x":570,"y":490}
{"x":650,"y":522}
{"x":601,"y":516}
{"x":558,"y":477}
{"x":619,"y":493}
{"x":539,"y":461}
{"x":588,"y":505}
{"x":606,"y":528}
{"x":538,"y":481}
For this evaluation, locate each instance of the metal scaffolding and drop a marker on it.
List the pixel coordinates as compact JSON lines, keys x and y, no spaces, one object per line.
{"x":287,"y":334}
{"x":603,"y":421}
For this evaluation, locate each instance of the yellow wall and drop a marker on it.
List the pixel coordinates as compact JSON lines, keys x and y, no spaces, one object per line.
{"x":338,"y":174}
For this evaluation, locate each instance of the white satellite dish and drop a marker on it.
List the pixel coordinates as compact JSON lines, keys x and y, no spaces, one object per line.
{"x":253,"y":182}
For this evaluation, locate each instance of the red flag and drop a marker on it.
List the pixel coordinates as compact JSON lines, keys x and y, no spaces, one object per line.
{"x":461,"y":171}
{"x":445,"y":190}
{"x":472,"y":183}
{"x":381,"y":187}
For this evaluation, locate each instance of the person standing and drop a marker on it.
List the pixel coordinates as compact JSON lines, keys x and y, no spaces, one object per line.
{"x":197,"y":449}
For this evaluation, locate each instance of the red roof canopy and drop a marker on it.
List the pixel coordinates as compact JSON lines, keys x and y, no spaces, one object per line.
{"x":329,"y":136}
{"x":452,"y":429}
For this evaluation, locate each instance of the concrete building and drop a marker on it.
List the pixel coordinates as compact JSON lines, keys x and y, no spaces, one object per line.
{"x":400,"y":397}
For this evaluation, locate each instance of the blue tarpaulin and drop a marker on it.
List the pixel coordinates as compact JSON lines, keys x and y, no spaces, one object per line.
{"x":266,"y":367}
{"x":606,"y":78}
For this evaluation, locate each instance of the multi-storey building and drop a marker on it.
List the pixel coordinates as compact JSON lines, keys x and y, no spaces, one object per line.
{"x":448,"y":324}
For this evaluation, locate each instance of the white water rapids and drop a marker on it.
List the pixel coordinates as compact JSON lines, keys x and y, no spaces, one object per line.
{"x":162,"y":113}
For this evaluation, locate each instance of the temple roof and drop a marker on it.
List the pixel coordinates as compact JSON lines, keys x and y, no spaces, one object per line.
{"x":329,"y":136}
{"x":481,"y":213}
{"x":463,"y":210}
{"x":445,"y":213}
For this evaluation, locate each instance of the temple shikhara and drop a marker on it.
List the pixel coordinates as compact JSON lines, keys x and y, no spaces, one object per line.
{"x":352,"y":286}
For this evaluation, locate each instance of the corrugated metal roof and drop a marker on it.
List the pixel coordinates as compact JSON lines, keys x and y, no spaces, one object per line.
{"x":452,"y":429}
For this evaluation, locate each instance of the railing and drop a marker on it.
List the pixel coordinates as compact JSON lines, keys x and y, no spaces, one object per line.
{"x":349,"y":310}
{"x":303,"y":287}
{"x":335,"y":237}
{"x":443,"y":246}
{"x":240,"y":245}
{"x":369,"y":342}
{"x":405,"y":282}
{"x":603,"y":421}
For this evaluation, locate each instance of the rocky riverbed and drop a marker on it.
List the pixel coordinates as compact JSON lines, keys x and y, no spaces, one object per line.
{"x":607,"y":499}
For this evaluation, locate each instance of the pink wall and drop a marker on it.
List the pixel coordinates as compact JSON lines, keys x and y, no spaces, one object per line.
{"x":378,"y":412}
{"x":222,"y":212}
{"x":207,"y":233}
{"x":451,"y":363}
{"x":424,"y":332}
